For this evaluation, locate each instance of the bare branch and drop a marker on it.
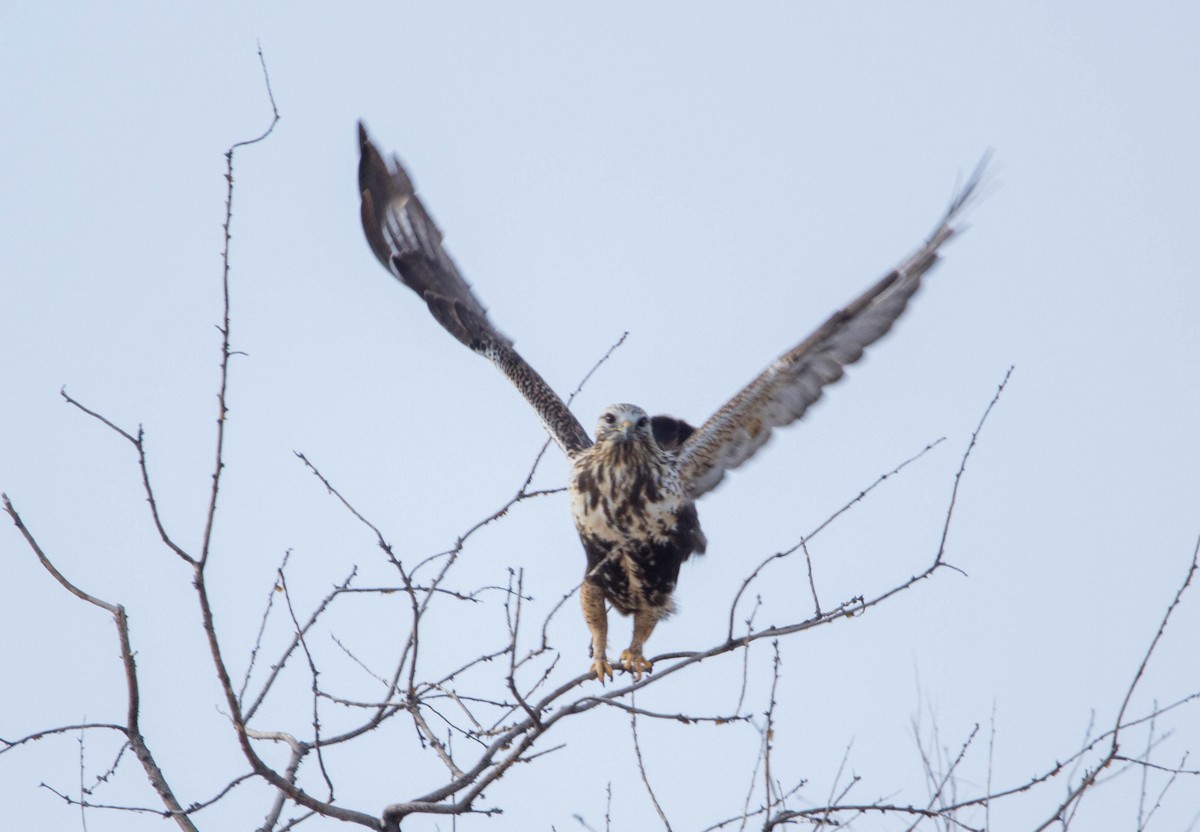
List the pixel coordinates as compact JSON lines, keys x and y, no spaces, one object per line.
{"x":82,"y":788}
{"x":769,"y":731}
{"x":1089,"y":779}
{"x":48,"y":566}
{"x":132,"y":730}
{"x":60,"y":729}
{"x":262,"y":628}
{"x":686,"y":719}
{"x":278,"y":666}
{"x":226,"y":349}
{"x":963,"y":465}
{"x":139,"y":444}
{"x":316,"y":689}
{"x":637,"y":750}
{"x":803,"y":544}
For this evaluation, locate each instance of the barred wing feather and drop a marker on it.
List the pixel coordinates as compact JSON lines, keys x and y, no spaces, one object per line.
{"x":408,"y":243}
{"x":786,"y":389}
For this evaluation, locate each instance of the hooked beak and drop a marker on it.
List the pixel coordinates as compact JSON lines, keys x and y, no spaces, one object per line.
{"x":626,"y":428}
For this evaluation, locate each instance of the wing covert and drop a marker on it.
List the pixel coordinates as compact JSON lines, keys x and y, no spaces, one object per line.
{"x":406,"y":240}
{"x":786,"y":389}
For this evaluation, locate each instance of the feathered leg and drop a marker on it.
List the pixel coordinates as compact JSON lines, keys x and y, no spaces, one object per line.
{"x":643,"y":625}
{"x":592,"y":597}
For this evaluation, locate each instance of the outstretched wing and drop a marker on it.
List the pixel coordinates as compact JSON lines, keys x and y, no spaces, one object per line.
{"x":409,"y":245}
{"x":794,"y":381}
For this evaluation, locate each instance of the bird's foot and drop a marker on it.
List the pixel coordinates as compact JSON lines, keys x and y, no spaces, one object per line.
{"x":636,"y":664}
{"x":601,"y":668}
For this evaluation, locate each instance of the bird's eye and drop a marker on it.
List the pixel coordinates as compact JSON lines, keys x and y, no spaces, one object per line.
{"x":642,"y":422}
{"x":610,"y":419}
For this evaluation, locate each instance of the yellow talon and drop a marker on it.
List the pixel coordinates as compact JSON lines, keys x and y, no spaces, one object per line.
{"x":601,"y":668}
{"x":636,"y":664}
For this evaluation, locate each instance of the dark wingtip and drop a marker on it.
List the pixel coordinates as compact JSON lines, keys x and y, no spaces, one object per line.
{"x":378,"y":185}
{"x":372,"y":188}
{"x":372,"y":170}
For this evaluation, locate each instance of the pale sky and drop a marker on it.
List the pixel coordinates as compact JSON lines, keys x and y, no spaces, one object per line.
{"x":713,"y":180}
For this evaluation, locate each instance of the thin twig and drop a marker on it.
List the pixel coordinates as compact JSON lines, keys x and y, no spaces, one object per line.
{"x":637,"y":749}
{"x":862,"y":495}
{"x":771,"y":800}
{"x":316,"y":688}
{"x":82,"y":775}
{"x":224,"y":328}
{"x":133,"y":709}
{"x":1077,"y":793}
{"x":139,"y":445}
{"x":262,"y":628}
{"x":522,"y":491}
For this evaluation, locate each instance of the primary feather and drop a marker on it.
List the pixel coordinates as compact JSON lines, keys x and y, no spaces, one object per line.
{"x":408,"y":243}
{"x":786,"y":389}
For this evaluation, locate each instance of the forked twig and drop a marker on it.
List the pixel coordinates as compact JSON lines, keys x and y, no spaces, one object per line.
{"x":132,"y":729}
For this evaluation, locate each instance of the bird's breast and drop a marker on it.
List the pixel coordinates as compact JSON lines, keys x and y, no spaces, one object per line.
{"x":624,"y":501}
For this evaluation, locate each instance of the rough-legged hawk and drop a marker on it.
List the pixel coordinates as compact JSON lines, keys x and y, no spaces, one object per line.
{"x":633,"y":490}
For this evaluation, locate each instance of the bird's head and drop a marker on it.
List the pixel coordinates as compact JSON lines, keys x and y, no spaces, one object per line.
{"x":623,"y":423}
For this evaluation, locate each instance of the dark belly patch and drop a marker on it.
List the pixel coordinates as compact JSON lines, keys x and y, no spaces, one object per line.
{"x":636,"y":579}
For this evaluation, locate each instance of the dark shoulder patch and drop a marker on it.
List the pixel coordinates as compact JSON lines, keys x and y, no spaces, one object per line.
{"x":670,"y":432}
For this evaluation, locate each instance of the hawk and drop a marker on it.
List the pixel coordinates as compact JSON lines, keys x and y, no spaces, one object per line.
{"x":633,"y":490}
